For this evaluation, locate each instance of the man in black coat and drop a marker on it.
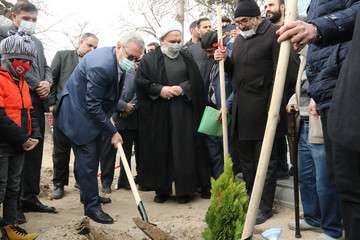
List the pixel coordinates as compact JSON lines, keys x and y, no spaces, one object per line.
{"x":253,"y":65}
{"x":170,"y":97}
{"x":62,"y":66}
{"x":344,"y":130}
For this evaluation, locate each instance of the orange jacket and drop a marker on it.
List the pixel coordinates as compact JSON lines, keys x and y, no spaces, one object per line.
{"x":15,"y":100}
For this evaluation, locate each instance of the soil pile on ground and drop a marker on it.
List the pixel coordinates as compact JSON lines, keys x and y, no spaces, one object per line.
{"x":82,"y":230}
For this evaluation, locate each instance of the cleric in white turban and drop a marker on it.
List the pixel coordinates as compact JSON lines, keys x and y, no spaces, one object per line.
{"x":170,"y":94}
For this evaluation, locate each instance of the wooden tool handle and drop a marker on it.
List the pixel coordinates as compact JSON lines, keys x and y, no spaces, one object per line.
{"x":129,"y":175}
{"x":222,"y":85}
{"x":272,"y":122}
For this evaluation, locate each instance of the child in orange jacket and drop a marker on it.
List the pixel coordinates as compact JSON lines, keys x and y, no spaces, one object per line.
{"x":19,"y":131}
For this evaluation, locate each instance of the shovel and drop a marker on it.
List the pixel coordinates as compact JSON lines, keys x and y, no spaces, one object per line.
{"x":148,"y":228}
{"x":272,"y":122}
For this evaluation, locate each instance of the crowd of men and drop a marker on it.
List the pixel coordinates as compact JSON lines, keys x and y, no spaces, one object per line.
{"x":150,"y":98}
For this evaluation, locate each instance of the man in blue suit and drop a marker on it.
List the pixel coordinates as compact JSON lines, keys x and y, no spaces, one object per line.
{"x":87,"y":102}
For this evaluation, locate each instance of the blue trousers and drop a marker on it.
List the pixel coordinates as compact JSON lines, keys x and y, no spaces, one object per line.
{"x":318,"y":194}
{"x":87,"y":164}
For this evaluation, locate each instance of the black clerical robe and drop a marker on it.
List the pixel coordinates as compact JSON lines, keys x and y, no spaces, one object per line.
{"x":169,"y":146}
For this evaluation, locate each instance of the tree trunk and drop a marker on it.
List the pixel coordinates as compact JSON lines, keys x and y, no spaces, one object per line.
{"x":180,"y":14}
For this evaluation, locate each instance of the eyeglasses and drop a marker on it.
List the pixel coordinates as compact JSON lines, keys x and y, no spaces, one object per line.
{"x":131,"y":57}
{"x":242,"y":21}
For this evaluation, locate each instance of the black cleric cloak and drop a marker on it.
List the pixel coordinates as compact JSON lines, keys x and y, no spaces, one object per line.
{"x":162,"y":159}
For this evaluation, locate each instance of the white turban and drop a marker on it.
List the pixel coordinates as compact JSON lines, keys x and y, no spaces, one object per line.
{"x":168,"y":26}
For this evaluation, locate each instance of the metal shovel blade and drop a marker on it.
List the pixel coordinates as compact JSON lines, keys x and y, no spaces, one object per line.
{"x":151,"y":230}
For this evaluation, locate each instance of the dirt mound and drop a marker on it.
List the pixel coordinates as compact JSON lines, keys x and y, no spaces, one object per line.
{"x":82,"y":230}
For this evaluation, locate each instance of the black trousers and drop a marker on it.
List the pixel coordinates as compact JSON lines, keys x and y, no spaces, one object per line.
{"x":10,"y":178}
{"x":33,"y":159}
{"x":281,"y":155}
{"x":108,"y":157}
{"x":345,"y":165}
{"x":61,"y":157}
{"x":249,"y":153}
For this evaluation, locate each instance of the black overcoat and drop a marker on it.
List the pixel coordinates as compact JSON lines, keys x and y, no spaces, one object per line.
{"x":344,"y":114}
{"x":253,"y":66}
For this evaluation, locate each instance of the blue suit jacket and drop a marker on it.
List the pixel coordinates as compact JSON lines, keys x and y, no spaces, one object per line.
{"x":90,"y":96}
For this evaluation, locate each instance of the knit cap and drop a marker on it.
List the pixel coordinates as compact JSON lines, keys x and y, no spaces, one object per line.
{"x":247,"y":8}
{"x":18,"y":46}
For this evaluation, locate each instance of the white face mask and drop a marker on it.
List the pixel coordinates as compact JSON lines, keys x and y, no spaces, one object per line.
{"x":27,"y":27}
{"x":248,"y":34}
{"x":171,"y":50}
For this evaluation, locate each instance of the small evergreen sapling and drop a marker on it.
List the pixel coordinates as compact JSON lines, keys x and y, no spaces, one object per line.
{"x":226,"y":215}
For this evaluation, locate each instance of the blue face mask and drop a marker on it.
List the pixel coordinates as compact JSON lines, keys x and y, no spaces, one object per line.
{"x":127,"y":65}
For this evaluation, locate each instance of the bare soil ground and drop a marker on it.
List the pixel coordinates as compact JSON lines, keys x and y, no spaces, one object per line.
{"x":184,"y":222}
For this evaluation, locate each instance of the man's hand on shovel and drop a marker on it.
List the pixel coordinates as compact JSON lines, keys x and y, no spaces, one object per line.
{"x":299,"y":33}
{"x":116,"y":138}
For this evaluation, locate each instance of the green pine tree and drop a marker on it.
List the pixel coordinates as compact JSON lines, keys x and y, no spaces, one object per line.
{"x":226,"y":215}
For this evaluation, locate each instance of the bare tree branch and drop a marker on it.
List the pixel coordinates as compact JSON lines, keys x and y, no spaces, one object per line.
{"x":150,"y":13}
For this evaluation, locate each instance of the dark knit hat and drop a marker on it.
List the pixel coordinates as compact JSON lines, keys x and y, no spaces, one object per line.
{"x":247,"y":8}
{"x":19,"y":46}
{"x":209,"y":40}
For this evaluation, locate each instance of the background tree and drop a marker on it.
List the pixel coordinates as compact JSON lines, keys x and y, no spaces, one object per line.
{"x":75,"y":34}
{"x":148,"y":14}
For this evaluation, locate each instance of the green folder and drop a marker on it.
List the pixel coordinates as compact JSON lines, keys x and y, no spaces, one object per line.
{"x":209,"y":125}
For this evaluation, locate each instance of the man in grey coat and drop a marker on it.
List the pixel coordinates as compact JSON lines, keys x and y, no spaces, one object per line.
{"x":62,"y":66}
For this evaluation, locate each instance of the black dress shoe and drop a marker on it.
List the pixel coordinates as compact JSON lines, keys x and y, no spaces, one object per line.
{"x":161,"y":198}
{"x":184,"y":199}
{"x":262,"y":217}
{"x":205,"y":194}
{"x":105,"y":200}
{"x":34,"y":205}
{"x":100,"y":216}
{"x":20,"y":217}
{"x":58,"y":192}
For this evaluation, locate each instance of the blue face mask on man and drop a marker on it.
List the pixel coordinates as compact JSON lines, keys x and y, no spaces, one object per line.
{"x":127,"y":65}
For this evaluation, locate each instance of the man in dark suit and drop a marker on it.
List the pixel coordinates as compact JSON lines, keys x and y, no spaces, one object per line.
{"x":62,"y":66}
{"x":84,"y":113}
